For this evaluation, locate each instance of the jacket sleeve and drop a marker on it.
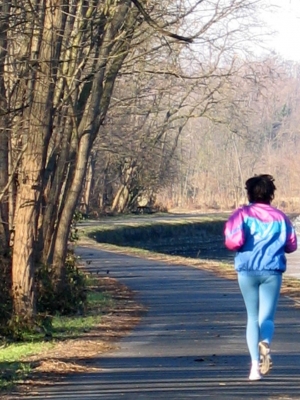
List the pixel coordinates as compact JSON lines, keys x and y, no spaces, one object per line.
{"x":234,"y":232}
{"x":291,"y":241}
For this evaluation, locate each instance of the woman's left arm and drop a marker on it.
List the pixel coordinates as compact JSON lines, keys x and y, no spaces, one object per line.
{"x":234,"y":232}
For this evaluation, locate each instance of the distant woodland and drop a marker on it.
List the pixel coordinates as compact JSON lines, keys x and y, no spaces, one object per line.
{"x":253,"y":128}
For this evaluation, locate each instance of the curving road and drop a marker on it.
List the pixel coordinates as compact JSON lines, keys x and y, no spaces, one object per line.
{"x":293,"y":266}
{"x":189,"y":345}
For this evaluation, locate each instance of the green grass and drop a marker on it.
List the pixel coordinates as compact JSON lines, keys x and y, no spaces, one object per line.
{"x":98,"y":299}
{"x":13,"y":365}
{"x":72,"y":327}
{"x":15,"y":351}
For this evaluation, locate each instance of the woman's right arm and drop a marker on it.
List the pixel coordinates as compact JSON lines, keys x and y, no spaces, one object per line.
{"x":291,"y":242}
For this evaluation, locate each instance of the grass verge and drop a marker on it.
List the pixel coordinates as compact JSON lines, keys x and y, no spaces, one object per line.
{"x":74,"y":343}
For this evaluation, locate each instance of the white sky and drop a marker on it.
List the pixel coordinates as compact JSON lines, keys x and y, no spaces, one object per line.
{"x":287,"y":22}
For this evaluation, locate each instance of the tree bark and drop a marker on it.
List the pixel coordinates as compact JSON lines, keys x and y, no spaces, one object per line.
{"x":111,"y":57}
{"x":4,"y":124}
{"x":45,"y":49}
{"x":86,"y":193}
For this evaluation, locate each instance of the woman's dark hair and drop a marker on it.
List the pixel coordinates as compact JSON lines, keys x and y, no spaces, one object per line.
{"x":260,"y":189}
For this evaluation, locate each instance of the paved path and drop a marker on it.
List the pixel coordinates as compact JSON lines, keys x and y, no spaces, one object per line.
{"x":189,"y":345}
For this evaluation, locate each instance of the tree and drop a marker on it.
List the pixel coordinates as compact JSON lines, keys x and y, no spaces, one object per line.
{"x":160,"y":87}
{"x":4,"y":122}
{"x":59,"y":64}
{"x":73,"y":54}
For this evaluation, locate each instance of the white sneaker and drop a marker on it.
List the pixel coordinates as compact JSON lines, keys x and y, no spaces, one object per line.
{"x":254,"y":372}
{"x":265,"y":358}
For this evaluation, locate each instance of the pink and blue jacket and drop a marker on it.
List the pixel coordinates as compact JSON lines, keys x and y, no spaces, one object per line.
{"x":261,"y":235}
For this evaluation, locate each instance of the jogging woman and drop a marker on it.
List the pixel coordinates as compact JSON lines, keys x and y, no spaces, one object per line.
{"x":261,"y":235}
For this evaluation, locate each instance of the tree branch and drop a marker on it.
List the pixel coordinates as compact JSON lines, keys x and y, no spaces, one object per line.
{"x":154,"y":25}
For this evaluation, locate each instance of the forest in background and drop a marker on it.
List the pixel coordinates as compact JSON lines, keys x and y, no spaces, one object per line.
{"x":255,"y":129}
{"x":111,"y":105}
{"x":188,"y":133}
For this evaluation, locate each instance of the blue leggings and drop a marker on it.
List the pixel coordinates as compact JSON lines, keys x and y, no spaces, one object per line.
{"x":260,"y":293}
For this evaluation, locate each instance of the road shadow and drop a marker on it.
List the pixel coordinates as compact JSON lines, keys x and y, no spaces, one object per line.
{"x":214,"y":377}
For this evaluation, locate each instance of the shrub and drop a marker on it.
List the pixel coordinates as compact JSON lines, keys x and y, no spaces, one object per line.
{"x":72,"y":299}
{"x":5,"y":293}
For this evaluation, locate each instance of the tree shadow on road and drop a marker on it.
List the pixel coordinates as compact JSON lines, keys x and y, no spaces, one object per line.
{"x":183,"y":377}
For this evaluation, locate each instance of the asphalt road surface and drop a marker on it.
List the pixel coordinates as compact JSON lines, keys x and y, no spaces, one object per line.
{"x":189,"y":345}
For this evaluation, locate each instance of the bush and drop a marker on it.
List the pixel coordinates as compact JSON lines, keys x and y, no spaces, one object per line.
{"x":73,"y":297}
{"x":5,"y":293}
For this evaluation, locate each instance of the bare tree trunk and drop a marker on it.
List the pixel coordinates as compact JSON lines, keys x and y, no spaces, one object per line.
{"x":45,"y":49}
{"x":55,"y":195}
{"x":24,"y":245}
{"x":121,"y":199}
{"x":110,"y":60}
{"x":60,"y":246}
{"x":4,"y":122}
{"x":86,"y":194}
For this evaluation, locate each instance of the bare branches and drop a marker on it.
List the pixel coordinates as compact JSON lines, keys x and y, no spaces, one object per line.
{"x":154,"y":25}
